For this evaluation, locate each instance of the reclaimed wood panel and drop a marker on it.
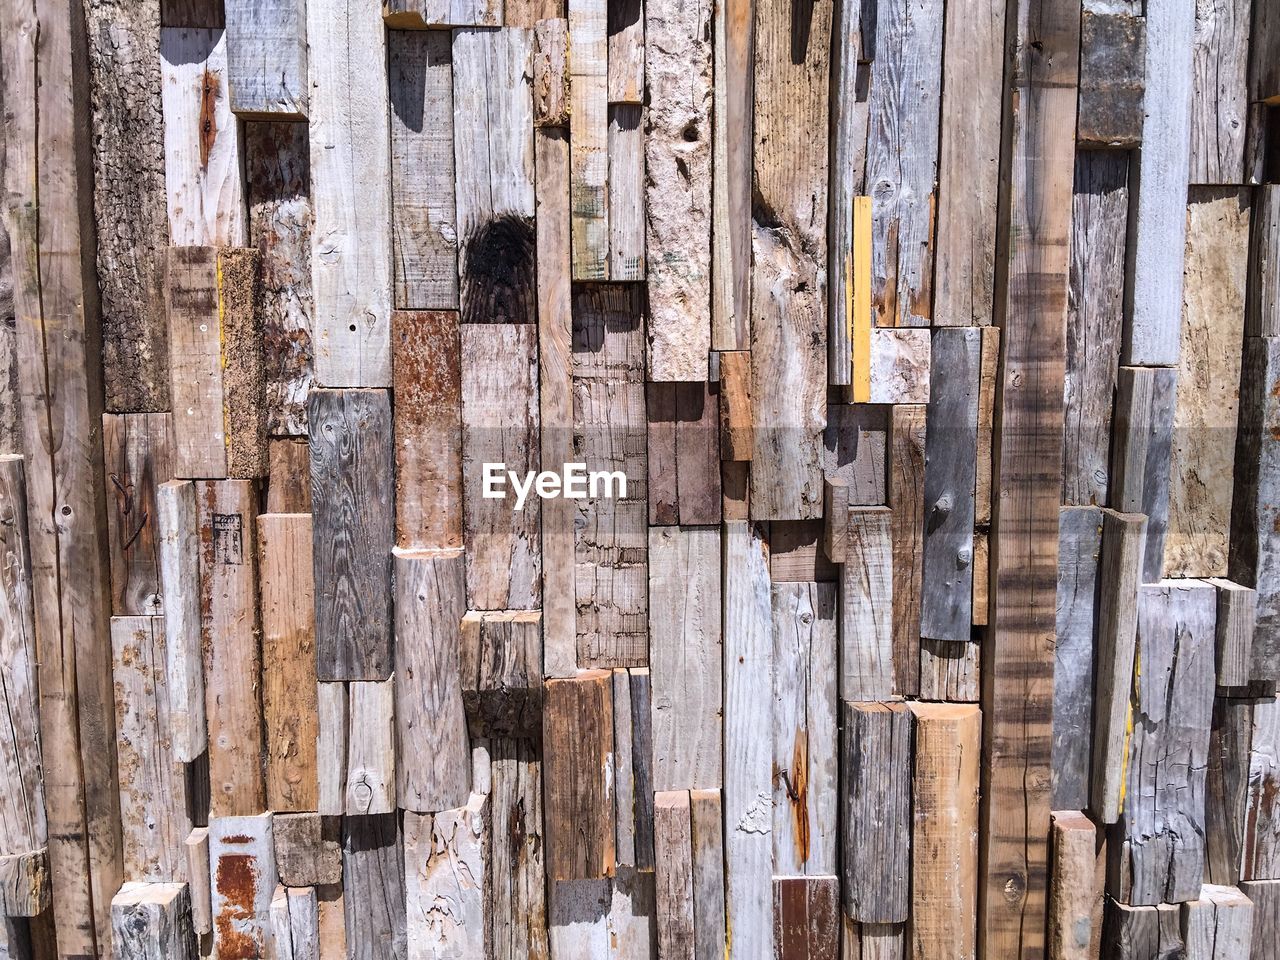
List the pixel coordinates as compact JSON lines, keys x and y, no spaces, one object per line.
{"x":1219,"y":90}
{"x":578,"y":714}
{"x":904,"y":493}
{"x":806,"y":917}
{"x":867,"y":668}
{"x":588,"y":146}
{"x":502,"y":688}
{"x":267,"y":58}
{"x":683,"y":453}
{"x":373,"y":887}
{"x":136,"y":454}
{"x":243,"y":871}
{"x":178,"y":549}
{"x":1142,"y":448}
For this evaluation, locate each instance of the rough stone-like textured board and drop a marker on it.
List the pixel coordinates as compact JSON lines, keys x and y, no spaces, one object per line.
{"x":426,"y":371}
{"x":1255,"y":541}
{"x":278,"y":173}
{"x":578,"y":719}
{"x":905,"y":496}
{"x":685,"y":657}
{"x":1265,"y":895}
{"x":788,"y":289}
{"x":447,"y":876}
{"x":243,"y":880}
{"x":944,"y":844}
{"x":1075,"y":889}
{"x":1227,"y":788}
{"x":1095,"y":319}
{"x":551,"y":76}
{"x":129,"y":206}
{"x":855,"y":447}
{"x":425,"y":230}
{"x":500,"y":662}
{"x":899,"y":365}
{"x":867,"y":667}
{"x":1219,"y":93}
{"x":351,"y":498}
{"x":949,"y":479}
{"x":731,"y":198}
{"x":589,"y":106}
{"x":267,"y":58}
{"x":243,"y":384}
{"x":152,"y":921}
{"x":609,"y":434}
{"x":1113,"y":44}
{"x":627,"y":187}
{"x":1204,"y":419}
{"x":968,"y":159}
{"x":708,"y":875}
{"x":673,"y":873}
{"x":421,"y":14}
{"x":1262,"y":316}
{"x":684,"y":453}
{"x":804,"y":728}
{"x":806,"y":917}
{"x":677,"y":147}
{"x":1079,"y":549}
{"x":308,"y":849}
{"x":1155,"y":254}
{"x":1120,"y":573}
{"x":201,"y":141}
{"x":349,"y":127}
{"x":748,"y":756}
{"x":153,"y":808}
{"x":373,"y":884}
{"x":177,"y":529}
{"x":905,"y":95}
{"x":1141,"y":453}
{"x":500,"y":425}
{"x":434,"y":768}
{"x":1158,"y":850}
{"x":289,"y":706}
{"x":136,"y":453}
{"x":1141,"y":932}
{"x":875,"y":759}
{"x":1260,"y":854}
{"x":519,"y":885}
{"x":232,"y":652}
{"x":1219,"y":924}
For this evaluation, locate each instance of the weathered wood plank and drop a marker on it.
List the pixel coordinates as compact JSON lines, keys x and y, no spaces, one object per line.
{"x":1143,"y":446}
{"x":243,"y":871}
{"x":673,"y":858}
{"x":899,"y":365}
{"x":806,"y":917}
{"x":628,"y":224}
{"x":267,"y":58}
{"x":578,"y":716}
{"x":1265,"y":895}
{"x":1218,"y":925}
{"x":848,"y":212}
{"x":685,"y":657}
{"x":447,"y":876}
{"x":1113,"y":45}
{"x":867,"y":668}
{"x":426,"y":364}
{"x":1260,"y":843}
{"x":683,"y":453}
{"x":1226,"y":788}
{"x":788,"y":295}
{"x":624,"y":774}
{"x":735,"y":405}
{"x":229,"y":639}
{"x":1135,"y":933}
{"x":551,"y":84}
{"x":371,"y":748}
{"x":642,"y":762}
{"x":331,"y":747}
{"x":796,"y":554}
{"x":1219,"y":90}
{"x":152,"y":921}
{"x":349,"y":127}
{"x":191,"y":301}
{"x":905,"y":496}
{"x":1262,"y":306}
{"x":951,"y":671}
{"x":289,"y":710}
{"x":178,"y":557}
{"x":422,"y":14}
{"x":519,"y":882}
{"x":308,"y":849}
{"x":501,"y":679}
{"x":1075,"y":887}
{"x":352,"y":505}
{"x":856,"y":452}
{"x":373,"y":885}
{"x":589,"y":106}
{"x":804,"y":728}
{"x":732,"y":138}
{"x":988,"y":374}
{"x":25,"y":884}
{"x":1237,"y":620}
{"x":708,"y":875}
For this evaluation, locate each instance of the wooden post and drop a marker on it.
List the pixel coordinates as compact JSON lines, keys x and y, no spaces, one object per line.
{"x":1236,"y":623}
{"x":152,"y":921}
{"x":578,"y":716}
{"x":1075,"y":889}
{"x":243,"y":869}
{"x":373,"y":884}
{"x":267,"y":58}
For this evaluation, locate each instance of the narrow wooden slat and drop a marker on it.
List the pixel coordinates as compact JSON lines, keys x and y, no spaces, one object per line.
{"x":579,"y":796}
{"x":243,"y":870}
{"x":1141,"y":454}
{"x":674,"y":874}
{"x":304,"y":923}
{"x":626,"y":24}
{"x":806,"y":917}
{"x":308,"y":849}
{"x":281,"y":934}
{"x":1113,"y":44}
{"x":589,"y":170}
{"x":708,"y":875}
{"x":1132,"y":933}
{"x":191,"y":301}
{"x":373,"y":887}
{"x":350,"y":140}
{"x":1265,"y":895}
{"x":331,"y":747}
{"x":905,"y":496}
{"x":152,"y":921}
{"x":642,"y":763}
{"x":551,"y":83}
{"x":835,"y":515}
{"x":1260,"y":843}
{"x":1227,"y":788}
{"x":683,"y":453}
{"x":732,"y":117}
{"x":867,"y":669}
{"x":735,"y":405}
{"x":199,"y":877}
{"x":624,"y":774}
{"x":1075,"y":890}
{"x":849,"y":214}
{"x":1237,"y":620}
{"x":1262,"y":315}
{"x":267,"y":58}
{"x":178,"y":556}
{"x":626,"y":143}
{"x":351,"y":497}
{"x":988,"y":374}
{"x":446,"y":871}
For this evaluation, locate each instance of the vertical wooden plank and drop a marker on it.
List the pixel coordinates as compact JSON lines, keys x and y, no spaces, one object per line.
{"x":434,"y":768}
{"x":349,"y":129}
{"x":1032,"y":280}
{"x":609,"y":435}
{"x":678,"y":61}
{"x":447,"y":876}
{"x":278,"y":174}
{"x":732,"y":115}
{"x":949,"y":484}
{"x":708,"y":875}
{"x":152,"y":921}
{"x":501,"y":685}
{"x":304,"y":923}
{"x":1113,"y":45}
{"x":578,"y":715}
{"x":627,"y":140}
{"x":866,"y":608}
{"x":626,"y":55}
{"x":243,"y":385}
{"x":685,"y":657}
{"x":1260,"y":843}
{"x":289,"y":709}
{"x":855,"y":453}
{"x":1219,"y":90}
{"x":267,"y":58}
{"x":1075,"y":890}
{"x":191,"y":301}
{"x":804,"y":728}
{"x":1217,"y":925}
{"x":551,"y":83}
{"x":519,"y":882}
{"x":555,"y":382}
{"x":588,"y":147}
{"x":352,"y":503}
{"x":673,"y":858}
{"x":788,"y":311}
{"x":1079,"y":589}
{"x":806,"y":917}
{"x":371,"y":751}
{"x":1095,"y":318}
{"x":331,"y":747}
{"x":243,"y":880}
{"x":905,"y":495}
{"x":201,"y":140}
{"x":748,"y":756}
{"x":642,"y":757}
{"x":373,"y":885}
{"x":1155,"y":252}
{"x":500,"y":425}
{"x":422,"y":14}
{"x":1227,"y":788}
{"x":424,"y":219}
{"x":1204,"y":418}
{"x":178,"y":550}
{"x":944,"y":845}
{"x":1262,"y":306}
{"x":684,"y":453}
{"x":136,"y":459}
{"x":1142,"y":448}
{"x":1133,"y":933}
{"x":427,"y":376}
{"x":1237,"y":619}
{"x":1265,"y":895}
{"x":624,"y":774}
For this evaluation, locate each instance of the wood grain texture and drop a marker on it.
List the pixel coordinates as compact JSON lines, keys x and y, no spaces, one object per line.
{"x":1218,"y":924}
{"x":204,"y":182}
{"x":519,"y":886}
{"x":191,"y":301}
{"x":731,"y":159}
{"x":243,"y":881}
{"x":788,"y":296}
{"x":1219,"y":90}
{"x":735,"y":405}
{"x":425,"y":230}
{"x":579,"y":796}
{"x":804,"y":728}
{"x":308,"y":849}
{"x":626,"y":25}
{"x":673,"y":874}
{"x":371,"y":748}
{"x":1075,"y":890}
{"x":685,"y":657}
{"x":426,"y":371}
{"x":373,"y":886}
{"x":349,"y":128}
{"x":289,"y":710}
{"x":902,"y":154}
{"x":178,"y":552}
{"x":867,"y":668}
{"x":281,"y":217}
{"x":1133,"y":932}
{"x":331,"y":747}
{"x":152,"y":921}
{"x":642,"y":763}
{"x":1262,"y":313}
{"x":500,"y":425}
{"x":951,"y":671}
{"x":856,"y":451}
{"x":875,"y":758}
{"x":1265,"y":895}
{"x":551,"y":77}
{"x":136,"y":454}
{"x":904,"y":492}
{"x":447,"y":874}
{"x":628,"y":222}
{"x":501,"y":680}
{"x":683,"y":453}
{"x":422,"y":14}
{"x":1260,"y":843}
{"x":899,"y":365}
{"x":1141,"y":452}
{"x":1226,"y":788}
{"x":267,"y":58}
{"x":588,"y":148}
{"x":806,"y":917}
{"x":1095,"y":318}
{"x":708,"y":875}
{"x":352,"y":504}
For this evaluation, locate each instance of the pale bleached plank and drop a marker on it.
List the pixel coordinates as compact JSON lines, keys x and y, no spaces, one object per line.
{"x":732,"y":110}
{"x":673,"y":870}
{"x":447,"y":867}
{"x":421,"y":14}
{"x":1218,"y":925}
{"x":866,"y":608}
{"x":304,"y":923}
{"x":627,"y":26}
{"x":900,"y":365}
{"x":1220,"y":90}
{"x":349,"y":127}
{"x":1260,"y":844}
{"x":331,"y":747}
{"x":242,"y":867}
{"x":627,"y":142}
{"x":588,"y":147}
{"x":267,"y":58}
